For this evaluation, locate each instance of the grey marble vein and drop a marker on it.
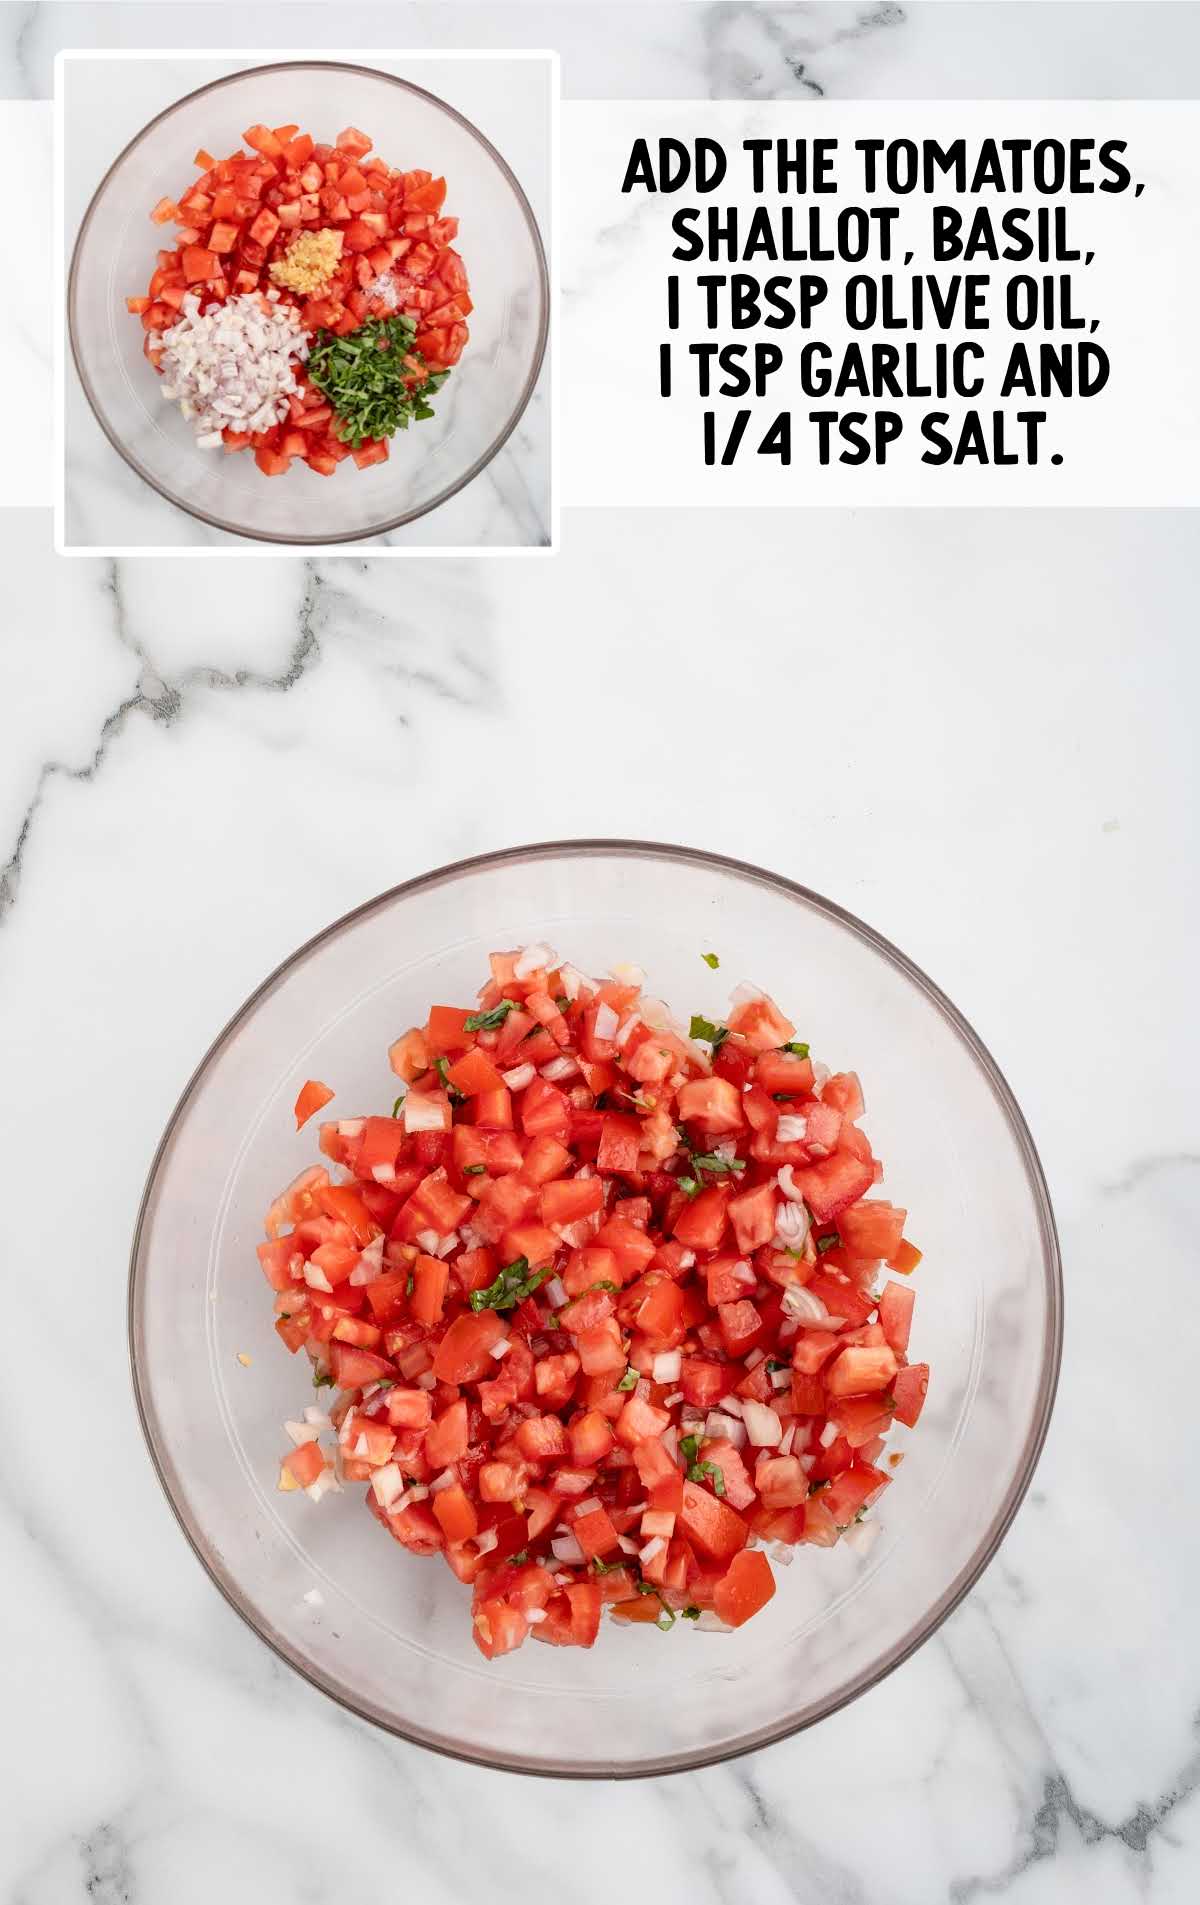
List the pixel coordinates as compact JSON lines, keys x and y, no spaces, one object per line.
{"x":340,"y":602}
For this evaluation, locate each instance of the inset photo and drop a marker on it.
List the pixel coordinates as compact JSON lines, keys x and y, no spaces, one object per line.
{"x":306,"y":303}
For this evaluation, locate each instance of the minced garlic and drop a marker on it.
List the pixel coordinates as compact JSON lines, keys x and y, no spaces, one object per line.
{"x":310,"y":260}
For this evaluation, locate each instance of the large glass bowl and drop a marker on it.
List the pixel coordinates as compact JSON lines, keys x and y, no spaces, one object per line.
{"x":389,"y":1634}
{"x":476,"y":409}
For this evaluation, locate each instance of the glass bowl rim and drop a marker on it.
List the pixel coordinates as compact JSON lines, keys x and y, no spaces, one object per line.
{"x":275,"y":537}
{"x":1022,"y":1475}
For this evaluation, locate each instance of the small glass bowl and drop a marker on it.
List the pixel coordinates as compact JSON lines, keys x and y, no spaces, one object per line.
{"x":388,"y":1633}
{"x":477,"y":408}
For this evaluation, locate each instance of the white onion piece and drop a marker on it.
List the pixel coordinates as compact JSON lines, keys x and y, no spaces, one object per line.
{"x":803,"y":1307}
{"x":301,"y":1432}
{"x":782,"y":1555}
{"x":755,"y":1357}
{"x":350,"y":1127}
{"x":427,"y":1380}
{"x":519,"y":1077}
{"x":628,"y":975}
{"x":536,"y":958}
{"x":556,"y":1293}
{"x":423,"y":1113}
{"x":485,"y":1542}
{"x":387,"y":1484}
{"x":446,"y":1479}
{"x":627,"y":1544}
{"x":384,"y":1173}
{"x":710,"y":1623}
{"x":789,"y":1436}
{"x":501,"y":1348}
{"x":428,"y":1241}
{"x":315,"y":1277}
{"x":724,"y":1428}
{"x":566,"y":1548}
{"x":791,"y":1226}
{"x":535,"y":1616}
{"x":763,"y":1427}
{"x":792,"y":1128}
{"x":587,"y":1507}
{"x":326,"y":1483}
{"x":627,"y":1028}
{"x":667,"y":1365}
{"x":687,"y":1260}
{"x":574,"y":982}
{"x":317,"y":1417}
{"x":651,"y":1549}
{"x":732,"y":1406}
{"x":606,"y":1021}
{"x":783,"y":1178}
{"x":829,"y":1435}
{"x":781,"y":1379}
{"x":558,"y":1068}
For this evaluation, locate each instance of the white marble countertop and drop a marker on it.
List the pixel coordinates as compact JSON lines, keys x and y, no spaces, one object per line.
{"x":996,"y":714}
{"x":997,"y":717}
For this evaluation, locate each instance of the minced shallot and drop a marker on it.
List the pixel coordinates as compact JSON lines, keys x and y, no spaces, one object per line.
{"x":232,"y":367}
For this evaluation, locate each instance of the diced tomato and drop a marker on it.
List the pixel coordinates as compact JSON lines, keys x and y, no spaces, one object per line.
{"x":632,"y":1291}
{"x":872,"y":1228}
{"x":744,"y":1589}
{"x":909,"y":1390}
{"x":895,"y":1314}
{"x":313,"y":1094}
{"x":715,"y":1528}
{"x":464,"y":1353}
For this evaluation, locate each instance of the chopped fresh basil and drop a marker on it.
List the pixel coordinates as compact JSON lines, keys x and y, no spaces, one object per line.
{"x":474,"y":1170}
{"x":488,"y":1021}
{"x":829,"y":1241}
{"x":408,"y":1288}
{"x":665,"y":1619}
{"x":515,"y":1282}
{"x":710,"y":959}
{"x":551,"y":1322}
{"x":373,"y":377}
{"x":322,"y":1379}
{"x":714,"y":1035}
{"x":606,"y":1567}
{"x":689,"y":1447}
{"x":689,"y":1614}
{"x":798,"y":1047}
{"x":709,"y":1161}
{"x":699,"y":1470}
{"x":688,"y":1186}
{"x":646,"y":1587}
{"x":396,"y":1108}
{"x":603,"y":1284}
{"x":773,"y":1364}
{"x":629,"y":1380}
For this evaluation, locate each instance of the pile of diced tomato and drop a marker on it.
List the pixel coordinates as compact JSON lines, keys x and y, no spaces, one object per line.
{"x":602,"y":1333}
{"x":244,"y":211}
